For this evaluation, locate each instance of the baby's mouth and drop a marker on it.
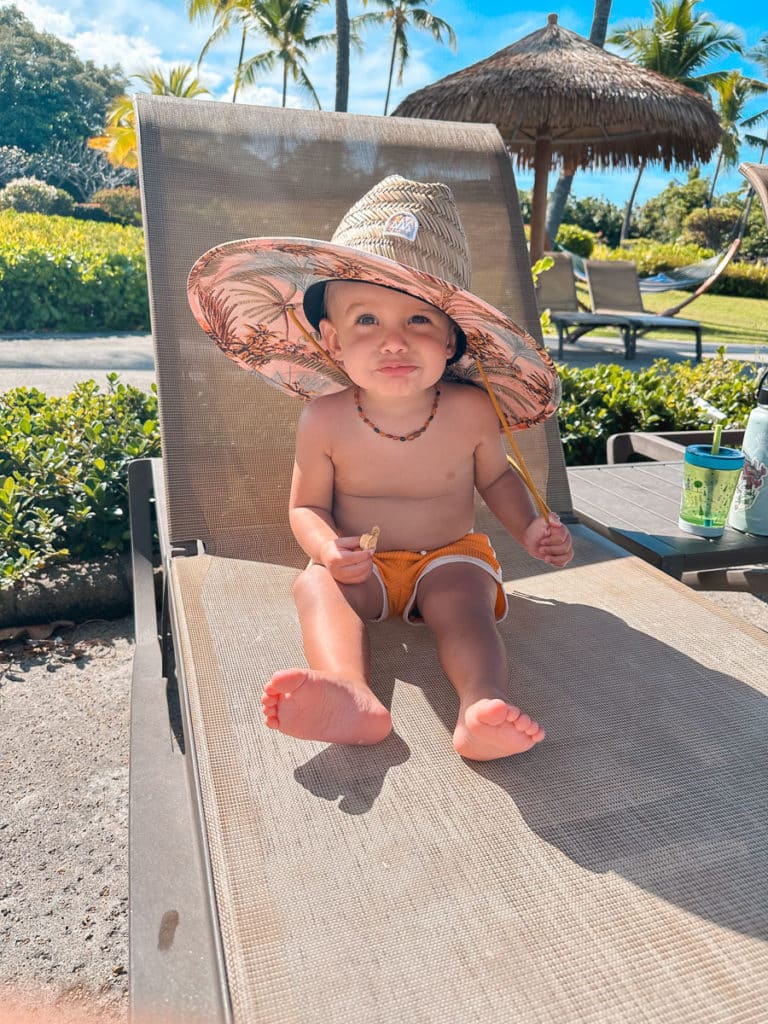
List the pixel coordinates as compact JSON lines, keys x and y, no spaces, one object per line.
{"x":397,"y":369}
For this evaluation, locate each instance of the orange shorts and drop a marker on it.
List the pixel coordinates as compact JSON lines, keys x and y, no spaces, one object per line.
{"x":400,"y":572}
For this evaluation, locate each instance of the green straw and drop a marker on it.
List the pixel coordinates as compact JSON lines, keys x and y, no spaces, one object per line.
{"x":716,"y":438}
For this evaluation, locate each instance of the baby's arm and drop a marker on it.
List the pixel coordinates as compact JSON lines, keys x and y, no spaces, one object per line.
{"x":508,"y":498}
{"x":311,"y":504}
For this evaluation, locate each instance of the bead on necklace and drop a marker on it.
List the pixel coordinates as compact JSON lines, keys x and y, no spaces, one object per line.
{"x":397,"y":437}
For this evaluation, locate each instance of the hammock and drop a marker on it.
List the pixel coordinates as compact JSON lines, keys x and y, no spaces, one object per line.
{"x":676,"y":279}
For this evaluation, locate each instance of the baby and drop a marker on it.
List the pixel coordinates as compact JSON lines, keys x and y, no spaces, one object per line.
{"x":353,"y":470}
{"x":397,"y":452}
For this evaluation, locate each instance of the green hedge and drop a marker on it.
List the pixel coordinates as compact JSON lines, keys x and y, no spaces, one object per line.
{"x":63,"y":461}
{"x":63,"y":481}
{"x":609,"y":399}
{"x":63,"y":274}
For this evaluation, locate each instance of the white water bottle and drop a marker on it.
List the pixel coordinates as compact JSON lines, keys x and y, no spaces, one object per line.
{"x":749,"y":511}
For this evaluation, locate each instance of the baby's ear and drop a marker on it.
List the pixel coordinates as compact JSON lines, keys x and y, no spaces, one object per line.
{"x":330,"y":337}
{"x":450,"y":345}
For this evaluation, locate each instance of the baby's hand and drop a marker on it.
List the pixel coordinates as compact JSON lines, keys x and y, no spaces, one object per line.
{"x":345,"y":561}
{"x":547,"y":539}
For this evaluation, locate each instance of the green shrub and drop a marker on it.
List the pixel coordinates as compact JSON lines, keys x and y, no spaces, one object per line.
{"x":91,"y":211}
{"x":29,"y":195}
{"x":652,"y":257}
{"x":576,"y":240}
{"x":62,"y":274}
{"x":122,"y":204}
{"x":711,"y":227}
{"x":63,"y":464}
{"x":610,"y":399}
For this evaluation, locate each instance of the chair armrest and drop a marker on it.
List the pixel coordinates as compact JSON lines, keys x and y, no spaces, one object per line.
{"x":668,"y":446}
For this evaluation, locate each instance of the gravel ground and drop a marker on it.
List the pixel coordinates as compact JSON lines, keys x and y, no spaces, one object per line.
{"x":64,"y":715}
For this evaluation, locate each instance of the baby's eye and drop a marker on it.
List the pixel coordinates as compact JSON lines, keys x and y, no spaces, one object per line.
{"x":366,"y":319}
{"x":420,"y":318}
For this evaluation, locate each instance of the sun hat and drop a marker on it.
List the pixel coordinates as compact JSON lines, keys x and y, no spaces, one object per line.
{"x":261,"y":299}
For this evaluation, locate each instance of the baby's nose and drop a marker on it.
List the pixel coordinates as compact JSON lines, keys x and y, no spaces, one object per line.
{"x":394,"y":340}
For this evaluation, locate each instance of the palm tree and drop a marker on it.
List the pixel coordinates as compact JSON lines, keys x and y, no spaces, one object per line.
{"x":732,"y":92}
{"x":400,"y":15}
{"x":678,"y":43}
{"x":226,"y":15}
{"x":342,"y":54}
{"x":562,"y":189}
{"x":284,"y":24}
{"x":759,"y":54}
{"x":118,"y":142}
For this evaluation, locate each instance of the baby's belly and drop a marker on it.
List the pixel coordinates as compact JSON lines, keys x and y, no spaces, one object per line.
{"x":411,"y":524}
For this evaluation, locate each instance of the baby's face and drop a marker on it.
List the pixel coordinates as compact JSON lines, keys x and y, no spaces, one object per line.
{"x":386,"y":341}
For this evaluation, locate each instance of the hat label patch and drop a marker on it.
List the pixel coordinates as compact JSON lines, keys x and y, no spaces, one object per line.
{"x":402,"y":225}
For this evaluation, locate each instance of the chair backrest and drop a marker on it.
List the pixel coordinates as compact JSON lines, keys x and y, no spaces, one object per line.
{"x":556,"y":287}
{"x":213,"y":172}
{"x":757,"y":176}
{"x":613,"y":285}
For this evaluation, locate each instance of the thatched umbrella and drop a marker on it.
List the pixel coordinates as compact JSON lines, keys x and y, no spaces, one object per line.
{"x":555,"y":96}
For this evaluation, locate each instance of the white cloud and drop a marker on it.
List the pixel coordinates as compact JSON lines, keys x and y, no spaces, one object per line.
{"x":45,"y":18}
{"x":132,"y":53}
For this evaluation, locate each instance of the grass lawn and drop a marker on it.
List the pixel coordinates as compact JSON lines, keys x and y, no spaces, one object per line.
{"x":725,"y":320}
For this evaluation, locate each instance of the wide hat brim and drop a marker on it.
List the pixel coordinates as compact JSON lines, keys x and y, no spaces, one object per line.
{"x":247,"y":296}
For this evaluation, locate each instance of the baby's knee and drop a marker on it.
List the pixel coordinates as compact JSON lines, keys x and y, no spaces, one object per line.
{"x":309,"y":582}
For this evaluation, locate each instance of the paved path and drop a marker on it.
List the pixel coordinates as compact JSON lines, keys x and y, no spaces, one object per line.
{"x":55,"y":364}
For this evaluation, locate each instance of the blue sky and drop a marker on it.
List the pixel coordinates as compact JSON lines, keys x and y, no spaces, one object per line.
{"x":138,"y":34}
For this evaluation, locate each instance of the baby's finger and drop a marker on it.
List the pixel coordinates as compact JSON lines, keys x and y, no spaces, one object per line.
{"x":348,"y":543}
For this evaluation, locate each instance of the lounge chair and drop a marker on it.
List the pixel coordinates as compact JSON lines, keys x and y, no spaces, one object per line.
{"x":616,"y":873}
{"x":556,"y":291}
{"x":613,"y":288}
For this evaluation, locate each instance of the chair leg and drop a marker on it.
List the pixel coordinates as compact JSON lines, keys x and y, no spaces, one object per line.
{"x":629,"y":339}
{"x":698,"y":344}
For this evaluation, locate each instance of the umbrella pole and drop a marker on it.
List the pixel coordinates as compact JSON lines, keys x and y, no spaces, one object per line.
{"x":542,"y":160}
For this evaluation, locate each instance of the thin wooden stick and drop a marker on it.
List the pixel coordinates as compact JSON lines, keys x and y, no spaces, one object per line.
{"x":308,"y":337}
{"x":518,"y":462}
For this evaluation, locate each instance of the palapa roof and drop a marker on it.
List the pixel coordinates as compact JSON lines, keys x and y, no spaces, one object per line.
{"x":600,"y":109}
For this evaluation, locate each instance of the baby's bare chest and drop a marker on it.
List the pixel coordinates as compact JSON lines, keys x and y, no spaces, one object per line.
{"x":409,"y":469}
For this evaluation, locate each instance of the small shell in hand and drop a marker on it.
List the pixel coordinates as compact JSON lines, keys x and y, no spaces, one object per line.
{"x":368,"y":541}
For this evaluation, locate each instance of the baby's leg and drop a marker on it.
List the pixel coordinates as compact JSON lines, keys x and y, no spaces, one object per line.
{"x":332,"y":701}
{"x":457,"y":602}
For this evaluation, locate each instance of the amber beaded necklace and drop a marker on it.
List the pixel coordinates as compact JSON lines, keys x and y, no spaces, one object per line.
{"x":397,"y":437}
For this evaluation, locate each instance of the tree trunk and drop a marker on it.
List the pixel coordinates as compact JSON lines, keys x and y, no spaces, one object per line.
{"x":562,"y":189}
{"x":715,"y":176}
{"x":391,"y":74}
{"x":541,"y":164}
{"x":342,"y":54}
{"x":239,"y":65}
{"x":630,"y":203}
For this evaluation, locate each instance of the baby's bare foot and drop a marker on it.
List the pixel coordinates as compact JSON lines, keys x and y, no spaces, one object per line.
{"x":489,"y":729}
{"x":312,"y":706}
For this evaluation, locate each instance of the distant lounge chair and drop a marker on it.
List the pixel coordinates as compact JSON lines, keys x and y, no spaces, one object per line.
{"x":556,"y":291}
{"x":614,"y":289}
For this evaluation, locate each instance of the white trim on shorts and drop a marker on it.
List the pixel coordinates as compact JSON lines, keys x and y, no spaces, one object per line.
{"x":442,"y":560}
